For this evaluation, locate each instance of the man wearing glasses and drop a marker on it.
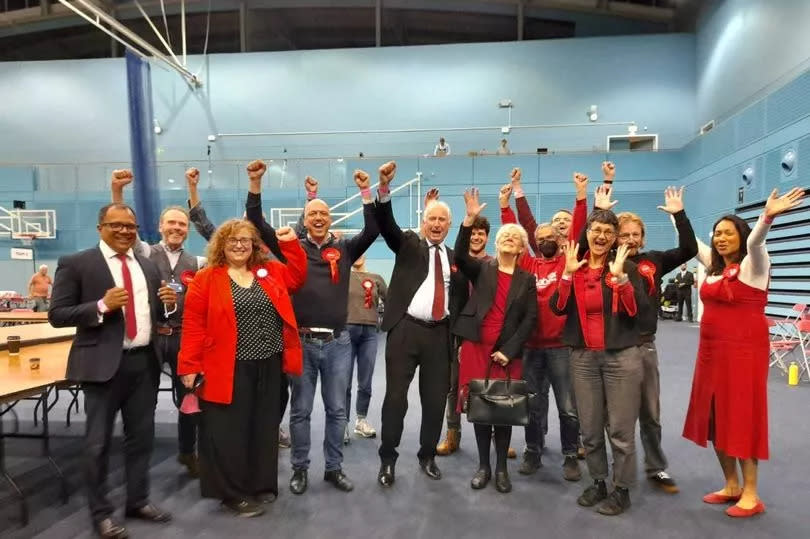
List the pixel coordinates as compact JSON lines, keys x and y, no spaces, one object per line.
{"x":116,"y":300}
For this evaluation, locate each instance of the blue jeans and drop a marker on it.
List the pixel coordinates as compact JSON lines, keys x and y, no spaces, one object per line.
{"x":333,"y":361}
{"x":542,"y":368}
{"x":364,"y":352}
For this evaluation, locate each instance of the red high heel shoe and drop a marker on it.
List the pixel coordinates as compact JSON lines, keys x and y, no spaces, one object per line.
{"x":739,"y":512}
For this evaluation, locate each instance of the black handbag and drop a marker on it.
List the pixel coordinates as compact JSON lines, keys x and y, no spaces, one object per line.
{"x":498,"y":402}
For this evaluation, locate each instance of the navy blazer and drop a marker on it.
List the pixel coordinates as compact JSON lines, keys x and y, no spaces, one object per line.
{"x":81,"y":280}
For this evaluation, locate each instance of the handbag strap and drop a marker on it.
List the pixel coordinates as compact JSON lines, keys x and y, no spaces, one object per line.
{"x":504,"y":367}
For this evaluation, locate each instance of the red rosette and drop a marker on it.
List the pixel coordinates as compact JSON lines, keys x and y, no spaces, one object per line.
{"x":332,"y":255}
{"x":730,"y":274}
{"x":186,"y":277}
{"x":647,"y":270}
{"x":613,"y":282}
{"x":368,"y":286}
{"x":453,"y":268}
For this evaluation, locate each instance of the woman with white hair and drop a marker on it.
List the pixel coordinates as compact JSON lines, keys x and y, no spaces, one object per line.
{"x":496,"y":322}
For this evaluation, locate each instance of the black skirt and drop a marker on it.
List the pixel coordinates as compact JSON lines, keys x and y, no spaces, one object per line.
{"x":238,"y":442}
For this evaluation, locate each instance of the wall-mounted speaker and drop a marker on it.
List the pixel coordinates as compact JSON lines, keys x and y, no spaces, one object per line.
{"x":18,"y":204}
{"x":788,"y":162}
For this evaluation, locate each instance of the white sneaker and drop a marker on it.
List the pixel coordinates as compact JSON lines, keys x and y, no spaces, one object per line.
{"x":363,"y":428}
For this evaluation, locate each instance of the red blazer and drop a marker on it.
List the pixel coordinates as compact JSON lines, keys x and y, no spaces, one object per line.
{"x":208,"y":342}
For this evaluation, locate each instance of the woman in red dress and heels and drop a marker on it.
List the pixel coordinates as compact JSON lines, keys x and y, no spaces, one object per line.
{"x":729,"y":401}
{"x":495,"y":323}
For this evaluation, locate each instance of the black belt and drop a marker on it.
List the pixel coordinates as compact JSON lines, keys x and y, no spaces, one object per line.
{"x":168,"y":330}
{"x":319,"y":335}
{"x":428,"y":323}
{"x":136,"y":350}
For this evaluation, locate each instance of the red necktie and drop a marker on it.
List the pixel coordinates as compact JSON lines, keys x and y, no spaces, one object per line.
{"x":438,"y":287}
{"x":129,"y":310}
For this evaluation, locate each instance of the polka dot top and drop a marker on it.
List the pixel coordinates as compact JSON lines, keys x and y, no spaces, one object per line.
{"x":258,"y":324}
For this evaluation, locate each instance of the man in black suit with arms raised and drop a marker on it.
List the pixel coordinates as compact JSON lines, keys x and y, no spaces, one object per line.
{"x":115,"y":299}
{"x":421,"y":303}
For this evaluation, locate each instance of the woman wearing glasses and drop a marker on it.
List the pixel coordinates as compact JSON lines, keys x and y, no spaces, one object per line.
{"x":598,"y":296}
{"x":239,"y":331}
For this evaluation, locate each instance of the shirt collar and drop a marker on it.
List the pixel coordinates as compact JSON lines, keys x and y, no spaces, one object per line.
{"x":440,"y":245}
{"x":326,"y":241}
{"x":169,"y":249}
{"x":109,"y":252}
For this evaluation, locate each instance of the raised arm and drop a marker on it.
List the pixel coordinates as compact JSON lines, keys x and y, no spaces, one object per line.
{"x":383,"y":212}
{"x":358,"y":245}
{"x":295,"y":270}
{"x":118,"y":180}
{"x":524,"y":212}
{"x":196,"y":213}
{"x":253,"y":208}
{"x":507,"y":215}
{"x":687,"y":243}
{"x":580,"y":215}
{"x":469,"y":266}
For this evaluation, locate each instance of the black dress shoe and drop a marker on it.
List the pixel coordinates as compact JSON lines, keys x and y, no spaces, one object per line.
{"x":502,"y":482}
{"x":339,"y":480}
{"x":149,"y":512}
{"x":428,"y":466}
{"x":266,"y":497}
{"x":298,"y":481}
{"x":244,"y":508}
{"x":109,"y":528}
{"x":481,"y":478}
{"x":386,"y":477}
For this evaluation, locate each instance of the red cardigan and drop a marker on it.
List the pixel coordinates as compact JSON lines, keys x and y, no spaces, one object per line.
{"x":208,"y":342}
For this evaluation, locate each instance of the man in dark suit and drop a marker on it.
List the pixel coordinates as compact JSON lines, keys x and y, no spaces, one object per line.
{"x":685,"y":281}
{"x":421,"y":307}
{"x":115,"y":299}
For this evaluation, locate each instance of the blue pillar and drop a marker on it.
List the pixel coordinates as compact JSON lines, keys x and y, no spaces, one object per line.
{"x":142,"y":144}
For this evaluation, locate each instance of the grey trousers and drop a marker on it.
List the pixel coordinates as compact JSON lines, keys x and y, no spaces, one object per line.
{"x":607,"y":387}
{"x":649,"y":417}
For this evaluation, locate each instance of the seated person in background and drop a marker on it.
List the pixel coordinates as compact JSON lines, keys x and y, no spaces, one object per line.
{"x":503,"y":149}
{"x":442,"y":148}
{"x":39,"y":289}
{"x":239,"y":331}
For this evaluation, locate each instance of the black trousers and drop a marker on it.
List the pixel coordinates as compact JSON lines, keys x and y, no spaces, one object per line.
{"x":169,"y":345}
{"x":239,"y":441}
{"x":410,"y":345}
{"x":685,"y":296}
{"x":133,"y":391}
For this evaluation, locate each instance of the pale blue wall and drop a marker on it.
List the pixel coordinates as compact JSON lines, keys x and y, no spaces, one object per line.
{"x":744,"y":47}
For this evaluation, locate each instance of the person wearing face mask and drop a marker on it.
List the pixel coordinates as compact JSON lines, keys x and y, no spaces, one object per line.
{"x":546,"y":360}
{"x":321,"y":309}
{"x":176,"y":267}
{"x":239,"y":335}
{"x":600,"y":295}
{"x":729,"y":401}
{"x":422,"y":306}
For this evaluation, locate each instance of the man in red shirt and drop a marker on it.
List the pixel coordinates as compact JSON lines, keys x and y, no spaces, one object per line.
{"x":546,"y":359}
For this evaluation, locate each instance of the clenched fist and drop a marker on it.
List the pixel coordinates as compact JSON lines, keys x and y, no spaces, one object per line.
{"x":362,"y":179}
{"x":608,"y":170}
{"x":387,"y":173}
{"x":286,"y":233}
{"x":115,"y":298}
{"x":167,"y":294}
{"x":256,"y":170}
{"x":515,"y":177}
{"x":311,"y":184}
{"x":121,"y":177}
{"x":192,"y":177}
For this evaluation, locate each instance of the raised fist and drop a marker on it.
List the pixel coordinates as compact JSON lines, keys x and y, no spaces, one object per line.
{"x":285,"y":233}
{"x":121,"y":177}
{"x":387,"y":172}
{"x":580,"y":180}
{"x":192,"y":177}
{"x":256,"y":170}
{"x":515,"y":177}
{"x":608,"y":170}
{"x":362,"y":179}
{"x":311,"y":184}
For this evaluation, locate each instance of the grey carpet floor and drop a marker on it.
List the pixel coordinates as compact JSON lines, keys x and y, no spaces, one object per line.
{"x":543,"y":505}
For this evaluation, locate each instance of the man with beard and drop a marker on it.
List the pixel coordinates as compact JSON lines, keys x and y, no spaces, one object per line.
{"x":176,"y":267}
{"x":321,"y":310}
{"x":546,"y":360}
{"x":652,"y":266}
{"x":478,"y":246}
{"x":421,"y":308}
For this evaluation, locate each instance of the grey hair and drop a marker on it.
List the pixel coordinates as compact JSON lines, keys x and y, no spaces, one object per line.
{"x":511,"y":227}
{"x":430,"y":206}
{"x":554,"y":229}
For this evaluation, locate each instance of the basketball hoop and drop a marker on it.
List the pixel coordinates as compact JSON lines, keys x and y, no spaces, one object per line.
{"x":27,"y":239}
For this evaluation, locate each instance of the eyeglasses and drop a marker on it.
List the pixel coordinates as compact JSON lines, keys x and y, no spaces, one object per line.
{"x":233,"y":242}
{"x":629,"y":235}
{"x":118,"y":227}
{"x":602,"y":232}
